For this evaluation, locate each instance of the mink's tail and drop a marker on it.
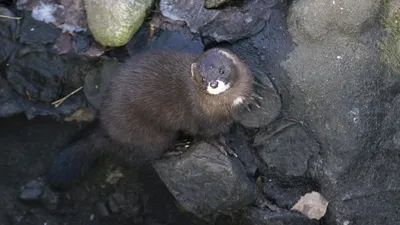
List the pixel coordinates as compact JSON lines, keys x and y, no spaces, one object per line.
{"x":74,"y":161}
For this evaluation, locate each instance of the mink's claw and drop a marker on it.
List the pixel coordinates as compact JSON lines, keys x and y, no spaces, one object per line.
{"x":258,"y":83}
{"x":255,"y":102}
{"x":256,"y":95}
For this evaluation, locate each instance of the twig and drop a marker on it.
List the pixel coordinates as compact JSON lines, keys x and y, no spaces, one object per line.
{"x":61,"y":100}
{"x":10,"y":17}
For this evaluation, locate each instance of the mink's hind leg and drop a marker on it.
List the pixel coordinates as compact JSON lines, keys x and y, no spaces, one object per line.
{"x":73,"y":162}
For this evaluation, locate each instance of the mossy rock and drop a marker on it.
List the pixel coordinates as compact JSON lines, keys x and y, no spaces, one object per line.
{"x":114,"y":22}
{"x":390,"y":45}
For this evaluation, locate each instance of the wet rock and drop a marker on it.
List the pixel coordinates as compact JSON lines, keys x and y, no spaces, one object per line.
{"x":32,"y":190}
{"x":34,"y":32}
{"x":113,"y":24}
{"x":230,"y":24}
{"x":205,"y":181}
{"x":286,"y":193}
{"x":37,"y":75}
{"x":101,"y":209}
{"x":373,"y":180}
{"x":338,"y":106}
{"x":180,"y":39}
{"x":210,"y":4}
{"x":315,"y":19}
{"x":49,"y":198}
{"x":8,"y":25}
{"x":287,"y":148}
{"x":257,"y":216}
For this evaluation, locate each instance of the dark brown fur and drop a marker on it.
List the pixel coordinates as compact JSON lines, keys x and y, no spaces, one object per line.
{"x":152,"y":98}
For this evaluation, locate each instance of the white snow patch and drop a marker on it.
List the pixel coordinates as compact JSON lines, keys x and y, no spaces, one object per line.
{"x":44,"y":12}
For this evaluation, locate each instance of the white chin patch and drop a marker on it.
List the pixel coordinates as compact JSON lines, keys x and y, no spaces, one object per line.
{"x":218,"y":90}
{"x":239,"y":100}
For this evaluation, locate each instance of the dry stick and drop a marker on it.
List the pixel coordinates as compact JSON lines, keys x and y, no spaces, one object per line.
{"x":10,"y":17}
{"x":61,"y":100}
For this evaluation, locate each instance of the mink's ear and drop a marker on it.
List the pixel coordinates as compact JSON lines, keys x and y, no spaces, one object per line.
{"x":229,"y":55}
{"x":192,"y":68}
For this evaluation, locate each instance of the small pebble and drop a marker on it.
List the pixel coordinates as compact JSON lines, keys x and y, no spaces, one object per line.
{"x":30,"y":194}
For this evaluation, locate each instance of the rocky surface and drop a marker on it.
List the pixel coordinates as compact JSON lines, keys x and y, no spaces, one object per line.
{"x":230,"y":24}
{"x":327,"y":122}
{"x":206,"y":182}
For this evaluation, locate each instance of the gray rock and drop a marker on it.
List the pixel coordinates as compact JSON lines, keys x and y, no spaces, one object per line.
{"x":210,"y":4}
{"x":317,"y":19}
{"x":37,"y":32}
{"x":374,"y":182}
{"x":335,"y":96}
{"x":8,"y":26}
{"x":182,"y":40}
{"x":32,"y":190}
{"x":230,"y":24}
{"x":287,"y":148}
{"x":37,"y":75}
{"x":113,"y":23}
{"x":101,"y":209}
{"x":204,"y":181}
{"x":255,"y":216}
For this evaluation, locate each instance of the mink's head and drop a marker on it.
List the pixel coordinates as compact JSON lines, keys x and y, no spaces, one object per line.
{"x":215,"y":71}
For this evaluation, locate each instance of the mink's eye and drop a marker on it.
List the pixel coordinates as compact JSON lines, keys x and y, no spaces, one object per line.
{"x":203,"y":80}
{"x":221,"y":71}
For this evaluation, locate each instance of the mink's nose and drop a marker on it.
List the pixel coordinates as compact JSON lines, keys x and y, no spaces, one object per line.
{"x":214,"y":84}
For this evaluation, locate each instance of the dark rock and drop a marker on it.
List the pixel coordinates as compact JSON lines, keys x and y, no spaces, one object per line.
{"x":49,"y":199}
{"x":286,"y":194}
{"x":8,"y":27}
{"x":37,"y":32}
{"x":255,"y":216}
{"x":116,"y":202}
{"x":101,"y":209}
{"x":8,"y":47}
{"x":210,"y":4}
{"x":286,"y":147}
{"x":181,"y":40}
{"x":37,"y":75}
{"x":230,"y":24}
{"x":204,"y":181}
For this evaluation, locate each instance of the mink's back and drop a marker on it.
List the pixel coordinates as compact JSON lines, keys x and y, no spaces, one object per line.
{"x":149,"y":99}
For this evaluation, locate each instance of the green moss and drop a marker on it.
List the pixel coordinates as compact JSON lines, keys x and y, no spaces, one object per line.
{"x":390,"y":45}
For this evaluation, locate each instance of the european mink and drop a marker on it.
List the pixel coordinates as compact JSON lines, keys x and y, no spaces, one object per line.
{"x":152,"y":98}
